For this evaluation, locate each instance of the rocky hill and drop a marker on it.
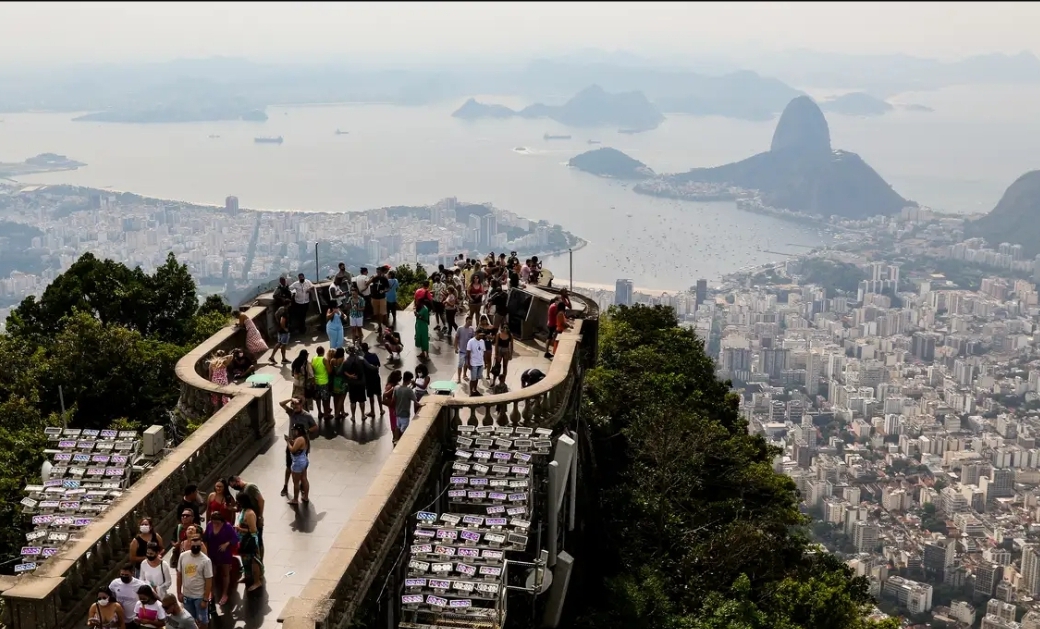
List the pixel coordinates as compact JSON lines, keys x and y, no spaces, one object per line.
{"x":801,"y":171}
{"x":1016,"y":217}
{"x":608,"y":162}
{"x":591,"y":107}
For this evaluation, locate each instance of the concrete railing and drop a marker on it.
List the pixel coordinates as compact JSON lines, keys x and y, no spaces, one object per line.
{"x":343,"y":578}
{"x":59,"y":593}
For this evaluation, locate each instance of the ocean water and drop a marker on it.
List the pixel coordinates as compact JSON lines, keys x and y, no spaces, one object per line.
{"x":959,"y":158}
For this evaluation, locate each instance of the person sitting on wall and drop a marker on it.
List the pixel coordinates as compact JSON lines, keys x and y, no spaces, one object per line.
{"x":241,"y":365}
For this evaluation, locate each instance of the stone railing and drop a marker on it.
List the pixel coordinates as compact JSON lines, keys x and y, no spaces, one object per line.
{"x":348,"y":571}
{"x":59,"y":593}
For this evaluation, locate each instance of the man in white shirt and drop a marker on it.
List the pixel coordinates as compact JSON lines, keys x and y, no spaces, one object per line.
{"x":301,"y":291}
{"x":365,"y":290}
{"x":125,"y":587}
{"x":475,"y":359}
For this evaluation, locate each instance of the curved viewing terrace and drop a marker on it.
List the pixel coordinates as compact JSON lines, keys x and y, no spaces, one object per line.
{"x":322,"y":560}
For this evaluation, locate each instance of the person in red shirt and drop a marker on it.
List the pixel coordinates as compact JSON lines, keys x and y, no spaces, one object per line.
{"x":422,"y":293}
{"x":561,"y":325}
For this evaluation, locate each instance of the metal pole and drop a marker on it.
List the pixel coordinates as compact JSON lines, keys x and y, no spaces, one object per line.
{"x":61,"y":396}
{"x":570,"y":254}
{"x":317,"y":273}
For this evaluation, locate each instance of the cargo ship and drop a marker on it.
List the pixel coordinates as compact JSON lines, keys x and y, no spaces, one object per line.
{"x":338,"y":132}
{"x":556,"y":137}
{"x":277,"y":140}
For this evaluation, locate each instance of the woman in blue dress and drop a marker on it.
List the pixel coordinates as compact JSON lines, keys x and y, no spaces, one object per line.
{"x":334,"y":328}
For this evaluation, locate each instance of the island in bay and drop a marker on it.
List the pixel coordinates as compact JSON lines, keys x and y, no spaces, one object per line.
{"x":42,"y":163}
{"x":611,"y":163}
{"x":591,"y":107}
{"x":800,"y":175}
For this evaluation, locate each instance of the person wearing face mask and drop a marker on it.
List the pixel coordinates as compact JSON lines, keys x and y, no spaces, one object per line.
{"x":154,"y":570}
{"x":140,"y":542}
{"x":106,"y":613}
{"x":124,"y":588}
{"x":195,"y":582}
{"x":148,"y":611}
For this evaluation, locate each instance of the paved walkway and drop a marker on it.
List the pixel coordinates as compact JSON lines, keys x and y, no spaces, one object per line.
{"x":344,"y":461}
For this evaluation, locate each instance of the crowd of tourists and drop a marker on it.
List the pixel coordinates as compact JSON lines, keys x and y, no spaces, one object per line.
{"x":180,"y":582}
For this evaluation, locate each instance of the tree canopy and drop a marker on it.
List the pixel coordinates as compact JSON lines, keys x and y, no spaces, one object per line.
{"x":694,"y":530}
{"x":110,"y":338}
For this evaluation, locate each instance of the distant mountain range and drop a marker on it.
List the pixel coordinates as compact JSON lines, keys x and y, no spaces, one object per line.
{"x":591,"y":107}
{"x":801,"y":172}
{"x":1016,"y":217}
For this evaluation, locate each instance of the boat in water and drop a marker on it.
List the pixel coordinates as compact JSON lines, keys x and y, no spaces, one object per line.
{"x":338,"y":132}
{"x":213,"y":137}
{"x":556,"y":137}
{"x":594,"y":142}
{"x":277,"y":140}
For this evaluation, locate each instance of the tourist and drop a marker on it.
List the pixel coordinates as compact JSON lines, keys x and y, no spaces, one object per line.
{"x":462,"y":338}
{"x":489,"y":331}
{"x":337,"y":294}
{"x":220,"y":538}
{"x":391,"y":296}
{"x":342,"y":274}
{"x":334,"y":328}
{"x":256,"y":499}
{"x":525,"y":272}
{"x":362,"y":282}
{"x":562,"y":325}
{"x":303,"y":379}
{"x":475,"y":360}
{"x":422,"y":329}
{"x":531,"y":377}
{"x":378,"y":288}
{"x":242,"y":365}
{"x":282,"y":295}
{"x":218,"y":375}
{"x":186,"y":520}
{"x":301,"y":292}
{"x":373,"y":386}
{"x":191,"y":532}
{"x":404,"y":402}
{"x":514,"y":275}
{"x":339,"y":382}
{"x":320,"y":365}
{"x":451,"y":309}
{"x":393,"y":344}
{"x":388,"y":400}
{"x":249,"y":547}
{"x":497,"y":300}
{"x":297,"y":417}
{"x":503,"y":346}
{"x":550,"y":324}
{"x":195,"y":581}
{"x":220,"y":500}
{"x":106,"y":612}
{"x":476,"y":292}
{"x":421,"y":382}
{"x":176,"y":616}
{"x":190,"y":499}
{"x":438,"y":290}
{"x":299,"y":449}
{"x":145,"y":535}
{"x":154,"y":571}
{"x":148,"y":612}
{"x":125,"y":586}
{"x":281,"y":321}
{"x":357,"y":383}
{"x":256,"y":346}
{"x":356,"y":308}
{"x":422,"y":294}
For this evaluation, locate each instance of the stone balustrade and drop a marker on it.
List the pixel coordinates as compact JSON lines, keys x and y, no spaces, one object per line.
{"x":342,"y":580}
{"x":60,"y":592}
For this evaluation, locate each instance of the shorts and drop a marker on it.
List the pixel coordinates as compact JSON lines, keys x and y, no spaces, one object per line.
{"x":196,"y":610}
{"x":283,"y":338}
{"x":322,"y":391}
{"x":476,"y":372}
{"x":391,"y":306}
{"x":357,"y":322}
{"x":378,"y":307}
{"x":504,"y":353}
{"x":438,"y":307}
{"x":402,"y":424}
{"x":357,"y":394}
{"x":462,"y":359}
{"x":300,"y":465}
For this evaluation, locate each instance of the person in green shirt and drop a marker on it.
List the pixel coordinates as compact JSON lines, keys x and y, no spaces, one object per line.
{"x":320,"y":364}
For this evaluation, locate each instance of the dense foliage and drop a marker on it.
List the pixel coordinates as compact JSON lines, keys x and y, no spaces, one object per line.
{"x":109,"y":337}
{"x":832,"y":275}
{"x":693,"y":529}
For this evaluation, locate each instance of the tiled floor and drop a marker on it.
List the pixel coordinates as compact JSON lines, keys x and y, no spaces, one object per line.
{"x":344,"y":461}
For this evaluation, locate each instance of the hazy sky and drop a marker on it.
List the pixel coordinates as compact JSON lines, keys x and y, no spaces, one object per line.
{"x":94,"y":31}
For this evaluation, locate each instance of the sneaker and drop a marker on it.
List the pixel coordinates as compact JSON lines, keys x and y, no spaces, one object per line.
{"x":548,"y":355}
{"x":285,"y":491}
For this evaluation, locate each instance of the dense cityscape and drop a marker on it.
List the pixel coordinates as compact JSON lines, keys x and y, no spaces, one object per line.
{"x":229,"y":248}
{"x":900,"y":377}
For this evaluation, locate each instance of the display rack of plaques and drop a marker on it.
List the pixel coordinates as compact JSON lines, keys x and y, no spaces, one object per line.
{"x":89,"y":470}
